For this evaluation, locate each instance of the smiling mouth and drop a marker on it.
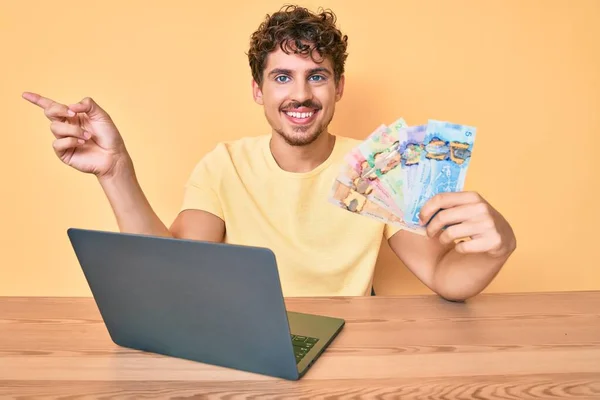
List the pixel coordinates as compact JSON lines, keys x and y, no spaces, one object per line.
{"x":302,"y":117}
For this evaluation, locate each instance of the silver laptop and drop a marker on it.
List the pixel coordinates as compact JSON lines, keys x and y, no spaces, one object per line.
{"x":215,"y":303}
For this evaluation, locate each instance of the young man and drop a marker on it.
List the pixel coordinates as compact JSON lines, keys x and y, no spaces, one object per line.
{"x":272,"y":190}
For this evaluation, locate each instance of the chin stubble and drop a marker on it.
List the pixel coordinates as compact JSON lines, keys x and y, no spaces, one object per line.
{"x":304,"y":141}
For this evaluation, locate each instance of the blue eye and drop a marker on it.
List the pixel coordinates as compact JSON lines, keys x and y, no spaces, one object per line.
{"x":318,"y":78}
{"x":281,"y":78}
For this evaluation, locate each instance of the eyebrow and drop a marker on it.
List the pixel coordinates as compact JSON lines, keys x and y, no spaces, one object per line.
{"x":311,"y":71}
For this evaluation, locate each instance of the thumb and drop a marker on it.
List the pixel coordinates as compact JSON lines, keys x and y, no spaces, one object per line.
{"x":91,"y":108}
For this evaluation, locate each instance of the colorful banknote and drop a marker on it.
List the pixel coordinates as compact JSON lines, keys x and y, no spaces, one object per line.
{"x":411,"y":150}
{"x":366,"y":159}
{"x":397,"y":168}
{"x":386,"y":167}
{"x":352,"y":175}
{"x":445,"y":158}
{"x":345,"y":197}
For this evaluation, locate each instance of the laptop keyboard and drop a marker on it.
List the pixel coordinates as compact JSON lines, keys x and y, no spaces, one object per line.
{"x":302,"y":345}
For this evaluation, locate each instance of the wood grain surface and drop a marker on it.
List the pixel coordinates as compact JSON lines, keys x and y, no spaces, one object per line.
{"x":495,"y":346}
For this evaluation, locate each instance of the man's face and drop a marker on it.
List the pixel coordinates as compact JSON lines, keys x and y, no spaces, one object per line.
{"x":298,"y":96}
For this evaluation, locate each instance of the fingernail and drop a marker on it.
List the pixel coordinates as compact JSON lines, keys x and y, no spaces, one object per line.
{"x":87,"y":135}
{"x":80,"y":141}
{"x":71,"y":113}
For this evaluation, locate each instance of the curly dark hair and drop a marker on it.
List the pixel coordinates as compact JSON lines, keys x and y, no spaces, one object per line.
{"x":297,"y":30}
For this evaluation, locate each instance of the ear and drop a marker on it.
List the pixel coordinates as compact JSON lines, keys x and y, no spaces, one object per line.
{"x":257,"y":93}
{"x":339,"y":89}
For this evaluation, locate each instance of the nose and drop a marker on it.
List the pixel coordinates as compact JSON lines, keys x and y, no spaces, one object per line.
{"x":301,"y":91}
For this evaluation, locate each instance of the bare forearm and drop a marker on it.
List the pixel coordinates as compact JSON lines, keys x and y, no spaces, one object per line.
{"x":459,"y":276}
{"x":129,"y":204}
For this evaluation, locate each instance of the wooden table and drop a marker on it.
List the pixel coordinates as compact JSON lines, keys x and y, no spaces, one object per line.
{"x":509,"y":346}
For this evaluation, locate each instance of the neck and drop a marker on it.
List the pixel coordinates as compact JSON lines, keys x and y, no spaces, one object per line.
{"x":301,"y":159}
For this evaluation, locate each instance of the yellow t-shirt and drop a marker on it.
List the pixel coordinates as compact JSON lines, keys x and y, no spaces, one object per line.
{"x":321,"y":249}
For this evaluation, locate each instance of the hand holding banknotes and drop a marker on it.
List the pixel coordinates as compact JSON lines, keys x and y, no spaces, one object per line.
{"x":397,"y":169}
{"x":459,"y":215}
{"x":413,"y":178}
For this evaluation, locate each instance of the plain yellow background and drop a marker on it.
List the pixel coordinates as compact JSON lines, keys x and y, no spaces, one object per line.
{"x":175,"y":78}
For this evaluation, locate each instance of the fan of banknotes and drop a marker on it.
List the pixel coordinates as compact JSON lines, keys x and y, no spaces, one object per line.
{"x":391,"y":174}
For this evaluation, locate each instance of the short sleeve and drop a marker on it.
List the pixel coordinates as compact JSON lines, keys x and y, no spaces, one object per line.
{"x":390,"y":230}
{"x":200,"y":192}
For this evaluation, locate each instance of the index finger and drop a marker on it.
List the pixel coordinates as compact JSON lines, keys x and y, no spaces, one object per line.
{"x":38,"y":100}
{"x":442,"y":201}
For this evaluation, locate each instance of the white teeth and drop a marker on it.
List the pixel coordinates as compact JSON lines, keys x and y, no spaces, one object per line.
{"x":299,"y":115}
